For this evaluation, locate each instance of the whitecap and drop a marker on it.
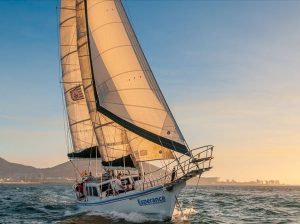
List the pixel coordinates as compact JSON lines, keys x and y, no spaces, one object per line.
{"x":129,"y":217}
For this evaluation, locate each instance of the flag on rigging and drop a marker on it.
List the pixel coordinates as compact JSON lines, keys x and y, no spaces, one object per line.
{"x":76,"y":93}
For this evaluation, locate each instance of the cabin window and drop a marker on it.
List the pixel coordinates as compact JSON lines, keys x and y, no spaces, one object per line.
{"x":105,"y":187}
{"x":126,"y":181}
{"x":136,"y":178}
{"x":95,"y":192}
{"x":90,"y":191}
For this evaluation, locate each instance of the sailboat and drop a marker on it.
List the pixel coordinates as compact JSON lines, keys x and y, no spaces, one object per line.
{"x":117,"y":114}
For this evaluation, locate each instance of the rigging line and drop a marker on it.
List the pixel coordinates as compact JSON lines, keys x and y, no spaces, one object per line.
{"x":75,"y":168}
{"x":96,"y":152}
{"x":193,"y":198}
{"x":66,"y":130}
{"x":114,"y":137}
{"x":90,"y":161}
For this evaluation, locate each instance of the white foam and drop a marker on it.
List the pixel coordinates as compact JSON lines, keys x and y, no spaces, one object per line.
{"x":182,"y":216}
{"x":129,"y":217}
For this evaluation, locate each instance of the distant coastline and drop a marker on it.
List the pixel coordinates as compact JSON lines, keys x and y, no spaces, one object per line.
{"x":217,"y":181}
{"x":13,"y":173}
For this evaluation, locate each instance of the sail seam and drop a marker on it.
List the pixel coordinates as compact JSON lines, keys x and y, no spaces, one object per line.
{"x":68,"y":54}
{"x":78,"y":122}
{"x":112,"y":48}
{"x":103,"y":25}
{"x":132,"y":105}
{"x":66,"y":8}
{"x":70,"y":18}
{"x":127,"y":89}
{"x":106,"y":124}
{"x":99,"y":3}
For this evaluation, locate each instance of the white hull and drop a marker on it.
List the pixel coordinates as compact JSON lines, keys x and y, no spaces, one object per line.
{"x":157,"y":201}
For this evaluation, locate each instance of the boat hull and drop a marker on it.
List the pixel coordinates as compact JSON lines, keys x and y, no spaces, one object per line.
{"x":156,"y":201}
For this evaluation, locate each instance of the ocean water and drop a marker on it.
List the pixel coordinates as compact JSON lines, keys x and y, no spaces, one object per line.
{"x":212,"y":204}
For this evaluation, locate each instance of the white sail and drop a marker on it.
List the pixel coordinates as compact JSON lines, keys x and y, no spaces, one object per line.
{"x":81,"y":129}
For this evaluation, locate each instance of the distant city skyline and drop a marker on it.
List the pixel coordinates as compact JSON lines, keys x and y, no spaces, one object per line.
{"x":229,"y":71}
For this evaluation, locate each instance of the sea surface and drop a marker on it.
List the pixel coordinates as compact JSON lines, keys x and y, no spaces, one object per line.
{"x":212,"y":204}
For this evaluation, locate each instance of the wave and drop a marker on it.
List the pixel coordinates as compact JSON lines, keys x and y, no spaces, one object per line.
{"x":131,"y":217}
{"x":184,"y":215}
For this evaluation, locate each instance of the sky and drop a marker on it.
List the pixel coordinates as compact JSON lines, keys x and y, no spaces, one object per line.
{"x":228,"y":69}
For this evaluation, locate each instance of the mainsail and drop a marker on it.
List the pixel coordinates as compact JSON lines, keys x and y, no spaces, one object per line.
{"x":80,"y":125}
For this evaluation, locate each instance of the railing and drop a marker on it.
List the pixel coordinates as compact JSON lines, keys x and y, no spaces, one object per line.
{"x":181,"y":168}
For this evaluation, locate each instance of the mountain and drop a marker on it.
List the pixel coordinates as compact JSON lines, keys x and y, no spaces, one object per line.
{"x":65,"y":172}
{"x":14,"y":172}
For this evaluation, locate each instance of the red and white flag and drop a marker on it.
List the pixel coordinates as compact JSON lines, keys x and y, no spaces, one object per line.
{"x":76,"y":93}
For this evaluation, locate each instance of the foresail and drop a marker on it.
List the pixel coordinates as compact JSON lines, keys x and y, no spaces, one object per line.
{"x":126,"y":90}
{"x":81,"y":129}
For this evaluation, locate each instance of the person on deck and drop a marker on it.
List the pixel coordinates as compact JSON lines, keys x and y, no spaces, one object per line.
{"x":119,"y":188}
{"x":173,"y":174}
